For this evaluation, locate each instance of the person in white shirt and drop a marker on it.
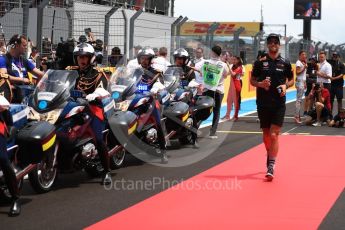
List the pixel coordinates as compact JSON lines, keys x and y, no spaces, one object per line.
{"x":198,"y":62}
{"x":324,"y":75}
{"x":214,"y":71}
{"x":301,"y":85}
{"x":161,"y":63}
{"x":134,"y":64}
{"x":199,"y":55}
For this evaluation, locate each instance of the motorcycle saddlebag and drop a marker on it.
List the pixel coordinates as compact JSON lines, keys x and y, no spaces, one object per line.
{"x":175,"y":109}
{"x":122,"y":125}
{"x":204,"y":106}
{"x":35,"y":140}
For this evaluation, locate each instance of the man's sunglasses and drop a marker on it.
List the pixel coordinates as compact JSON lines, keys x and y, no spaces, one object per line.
{"x":273,"y":41}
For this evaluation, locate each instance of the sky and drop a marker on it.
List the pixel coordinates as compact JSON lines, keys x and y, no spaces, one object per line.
{"x":331,"y":27}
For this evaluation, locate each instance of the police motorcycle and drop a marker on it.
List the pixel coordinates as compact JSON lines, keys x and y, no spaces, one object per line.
{"x":55,"y":101}
{"x":31,"y":147}
{"x":138,"y":113}
{"x":200,"y":107}
{"x":179,"y":120}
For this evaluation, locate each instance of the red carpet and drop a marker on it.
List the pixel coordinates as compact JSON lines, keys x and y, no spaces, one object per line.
{"x":309,"y":178}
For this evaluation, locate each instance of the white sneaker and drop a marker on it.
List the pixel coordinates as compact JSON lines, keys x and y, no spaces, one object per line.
{"x":213,"y":136}
{"x":317,"y":124}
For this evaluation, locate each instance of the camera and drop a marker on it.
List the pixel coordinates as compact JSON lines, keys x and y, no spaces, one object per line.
{"x":317,"y":86}
{"x":87,"y":30}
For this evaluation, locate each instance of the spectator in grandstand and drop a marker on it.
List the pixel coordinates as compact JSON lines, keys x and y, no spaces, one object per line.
{"x":337,"y":81}
{"x":161,"y":62}
{"x":301,"y":85}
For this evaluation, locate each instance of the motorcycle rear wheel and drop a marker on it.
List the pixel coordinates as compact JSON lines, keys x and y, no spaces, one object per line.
{"x":117,"y":161}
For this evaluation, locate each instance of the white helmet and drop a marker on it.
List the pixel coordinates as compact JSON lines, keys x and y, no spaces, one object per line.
{"x":146,"y":51}
{"x":84,"y":49}
{"x":182,"y":53}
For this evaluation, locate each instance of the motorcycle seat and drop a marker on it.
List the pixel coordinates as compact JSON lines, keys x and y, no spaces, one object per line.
{"x":82,"y":102}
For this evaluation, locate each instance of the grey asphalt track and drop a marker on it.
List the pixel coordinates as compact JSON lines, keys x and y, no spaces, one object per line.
{"x":78,"y":201}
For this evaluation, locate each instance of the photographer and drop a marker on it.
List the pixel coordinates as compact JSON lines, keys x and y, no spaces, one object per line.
{"x":311,"y":79}
{"x":322,"y":102}
{"x":98,"y":46}
{"x":64,"y":53}
{"x":90,"y":36}
{"x":339,"y":120}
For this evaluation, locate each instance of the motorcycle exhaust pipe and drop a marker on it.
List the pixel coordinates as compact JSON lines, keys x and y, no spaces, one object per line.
{"x":20,"y":175}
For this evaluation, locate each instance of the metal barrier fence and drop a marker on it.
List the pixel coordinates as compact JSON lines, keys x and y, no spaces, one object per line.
{"x":243,"y":42}
{"x":48,"y":22}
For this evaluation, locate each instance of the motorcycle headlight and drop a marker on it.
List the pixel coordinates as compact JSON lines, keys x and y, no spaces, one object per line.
{"x":123,"y":106}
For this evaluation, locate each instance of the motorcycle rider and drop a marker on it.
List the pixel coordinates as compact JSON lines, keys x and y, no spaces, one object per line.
{"x":91,"y":80}
{"x":181,"y":59}
{"x":5,"y":164}
{"x":145,"y":57}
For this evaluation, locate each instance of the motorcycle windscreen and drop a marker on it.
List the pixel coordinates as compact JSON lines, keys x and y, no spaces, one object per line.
{"x":124,"y":82}
{"x":53,"y":89}
{"x":172,"y":78}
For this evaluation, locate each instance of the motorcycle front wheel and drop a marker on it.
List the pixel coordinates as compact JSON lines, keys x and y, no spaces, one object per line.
{"x":43,"y":177}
